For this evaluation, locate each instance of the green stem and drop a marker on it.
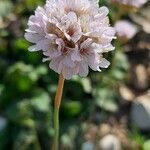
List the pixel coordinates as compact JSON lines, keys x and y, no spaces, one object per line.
{"x":56,"y":110}
{"x":56,"y":127}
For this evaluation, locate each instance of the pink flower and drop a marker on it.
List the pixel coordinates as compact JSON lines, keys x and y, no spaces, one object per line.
{"x":125,"y":29}
{"x":133,"y":3}
{"x":72,"y":34}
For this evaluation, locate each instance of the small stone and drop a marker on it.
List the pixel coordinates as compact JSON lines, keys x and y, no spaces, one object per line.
{"x":140,"y":112}
{"x":91,"y":132}
{"x":88,"y":146}
{"x":3,"y":123}
{"x":126,"y":93}
{"x":141,"y":79}
{"x":104,"y":129}
{"x":110,"y":142}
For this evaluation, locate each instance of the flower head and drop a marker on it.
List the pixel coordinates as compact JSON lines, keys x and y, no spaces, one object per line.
{"x":125,"y":29}
{"x":132,"y":3}
{"x":72,"y":35}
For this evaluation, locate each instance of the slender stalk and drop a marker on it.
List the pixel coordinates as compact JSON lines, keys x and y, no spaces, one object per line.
{"x":56,"y":110}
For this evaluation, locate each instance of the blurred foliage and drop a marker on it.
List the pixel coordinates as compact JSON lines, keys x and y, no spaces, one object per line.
{"x":27,"y":88}
{"x":146,"y":145}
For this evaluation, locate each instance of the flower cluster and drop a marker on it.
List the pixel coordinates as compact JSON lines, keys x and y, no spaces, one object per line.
{"x":72,"y":34}
{"x":133,"y":3}
{"x":125,"y":29}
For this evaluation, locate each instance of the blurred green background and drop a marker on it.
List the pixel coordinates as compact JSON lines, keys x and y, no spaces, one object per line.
{"x":111,"y":108}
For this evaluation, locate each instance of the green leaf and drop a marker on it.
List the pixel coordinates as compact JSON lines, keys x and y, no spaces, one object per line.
{"x":86,"y":85}
{"x":146,"y":145}
{"x":66,"y":140}
{"x":105,"y":98}
{"x":5,"y":8}
{"x":26,"y":140}
{"x":21,"y":113}
{"x":41,"y":102}
{"x":32,"y":4}
{"x":72,"y":108}
{"x":4,"y":138}
{"x":21,"y":44}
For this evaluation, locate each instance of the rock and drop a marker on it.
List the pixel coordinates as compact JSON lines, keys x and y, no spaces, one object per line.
{"x":3,"y":123}
{"x":90,"y":137}
{"x":91,"y":133}
{"x":104,"y":129}
{"x":141,"y":77}
{"x":110,"y":142}
{"x":140,"y":112}
{"x":126,"y":93}
{"x":88,"y":145}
